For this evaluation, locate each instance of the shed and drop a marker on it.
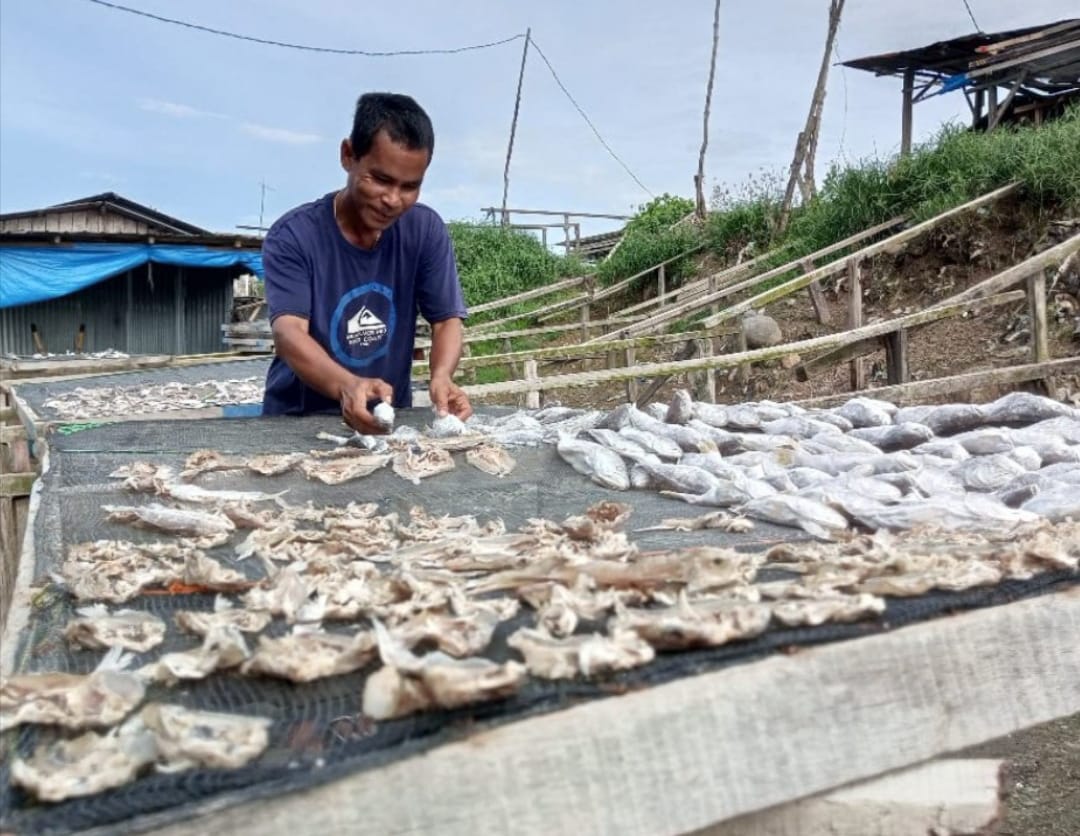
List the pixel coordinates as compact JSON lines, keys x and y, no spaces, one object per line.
{"x":104,"y":272}
{"x":1020,"y":75}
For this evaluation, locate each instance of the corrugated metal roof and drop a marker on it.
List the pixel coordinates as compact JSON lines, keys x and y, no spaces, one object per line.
{"x":1048,"y":56}
{"x":112,"y":202}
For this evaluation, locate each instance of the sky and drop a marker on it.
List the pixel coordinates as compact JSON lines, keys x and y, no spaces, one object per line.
{"x":93,"y":99}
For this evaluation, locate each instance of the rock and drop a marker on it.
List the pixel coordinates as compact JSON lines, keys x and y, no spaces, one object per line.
{"x":790,"y":361}
{"x":761,"y":331}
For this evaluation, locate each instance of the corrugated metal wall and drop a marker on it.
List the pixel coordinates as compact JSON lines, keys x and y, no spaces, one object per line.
{"x":81,"y":220}
{"x":160,"y":310}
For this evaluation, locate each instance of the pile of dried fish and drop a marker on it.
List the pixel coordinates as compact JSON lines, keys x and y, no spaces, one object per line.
{"x":85,"y":403}
{"x":865,"y":464}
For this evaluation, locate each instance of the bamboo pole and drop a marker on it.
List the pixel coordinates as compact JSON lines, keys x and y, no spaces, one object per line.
{"x":699,"y":178}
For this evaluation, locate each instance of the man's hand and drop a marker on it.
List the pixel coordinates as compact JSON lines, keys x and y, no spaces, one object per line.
{"x":448,"y":397}
{"x":355,"y":397}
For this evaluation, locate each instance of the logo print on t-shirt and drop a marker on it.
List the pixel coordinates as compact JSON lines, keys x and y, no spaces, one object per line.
{"x":362,"y":327}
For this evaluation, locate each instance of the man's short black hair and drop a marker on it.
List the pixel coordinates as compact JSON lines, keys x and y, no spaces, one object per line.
{"x":399,"y":115}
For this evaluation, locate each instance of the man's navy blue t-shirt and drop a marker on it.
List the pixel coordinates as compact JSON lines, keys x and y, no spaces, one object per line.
{"x":361,"y":305}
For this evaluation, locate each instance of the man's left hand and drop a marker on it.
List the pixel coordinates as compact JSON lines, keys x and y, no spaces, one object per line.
{"x":449,"y":398}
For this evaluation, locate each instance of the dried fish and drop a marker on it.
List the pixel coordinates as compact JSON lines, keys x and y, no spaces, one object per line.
{"x":725,"y":493}
{"x":659,"y":446}
{"x":224,"y":613}
{"x":383,"y":413}
{"x":273,"y":464}
{"x":986,"y":441}
{"x":799,"y":427}
{"x":186,"y":738}
{"x":1056,"y":506}
{"x":1026,"y":457}
{"x":1026,"y":408}
{"x":407,"y":683}
{"x":98,"y":629}
{"x":814,"y":518}
{"x":959,"y":512}
{"x":942,"y":572}
{"x":159,"y":517}
{"x":74,"y":701}
{"x":117,"y":570}
{"x":622,"y":445}
{"x":446,"y":426}
{"x":456,"y":635}
{"x":686,"y":437}
{"x":684,"y":626}
{"x":832,"y":607}
{"x":85,"y":765}
{"x":491,"y":458}
{"x":223,"y":647}
{"x":193,"y":493}
{"x":344,"y":469}
{"x":987,"y":473}
{"x":895,"y":437}
{"x":588,"y":655}
{"x":952,"y":418}
{"x":89,"y":402}
{"x":709,"y":413}
{"x":866,"y":412}
{"x":414,"y":465}
{"x":721,"y":520}
{"x":679,"y":478}
{"x":309,"y":654}
{"x":205,"y":461}
{"x":945,"y":448}
{"x":602,"y":465}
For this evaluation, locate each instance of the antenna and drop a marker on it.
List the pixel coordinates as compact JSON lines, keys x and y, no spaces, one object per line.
{"x":263,"y":188}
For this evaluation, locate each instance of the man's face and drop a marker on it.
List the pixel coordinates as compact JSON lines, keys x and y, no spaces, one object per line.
{"x":385,"y":181}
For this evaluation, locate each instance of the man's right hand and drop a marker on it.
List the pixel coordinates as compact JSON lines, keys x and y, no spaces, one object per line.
{"x":355,"y":397}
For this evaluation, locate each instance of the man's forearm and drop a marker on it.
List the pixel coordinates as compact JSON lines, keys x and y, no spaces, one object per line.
{"x":310,"y":362}
{"x":446,"y":342}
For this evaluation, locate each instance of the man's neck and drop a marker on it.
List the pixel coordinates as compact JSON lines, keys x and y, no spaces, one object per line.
{"x":348,"y":221}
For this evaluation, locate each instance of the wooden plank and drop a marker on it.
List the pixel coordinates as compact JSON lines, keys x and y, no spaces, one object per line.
{"x":17,"y":484}
{"x":889,"y":244}
{"x":814,"y":344}
{"x":1036,"y":294}
{"x":896,"y":356}
{"x":631,"y":380}
{"x":580,"y":351}
{"x":817,"y":295}
{"x":923,"y":390}
{"x":857,"y":370}
{"x":863,"y":347}
{"x":22,"y":368}
{"x":707,"y":299}
{"x":942,"y":796}
{"x":1018,"y":273}
{"x":482,"y":336}
{"x":752,"y":736}
{"x":527,"y":295}
{"x":623,"y":284}
{"x":7,"y":413}
{"x":532,"y":397}
{"x":9,"y":554}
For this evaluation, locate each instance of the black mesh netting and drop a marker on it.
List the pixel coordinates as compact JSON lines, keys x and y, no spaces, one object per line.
{"x":317,"y":732}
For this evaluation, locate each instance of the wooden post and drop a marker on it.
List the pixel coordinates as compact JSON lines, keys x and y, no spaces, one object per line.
{"x":980,"y":97}
{"x":631,"y":383}
{"x":896,"y":361}
{"x":661,"y":283}
{"x":817,"y":295}
{"x":566,"y":233}
{"x":1036,"y":293}
{"x":584,"y":322}
{"x":178,"y":304}
{"x":858,"y":373}
{"x":470,"y":373}
{"x":508,"y":348}
{"x":513,"y":130}
{"x":906,"y":118}
{"x":717,"y":348}
{"x":744,"y":369}
{"x":129,"y":311}
{"x":699,"y":178}
{"x":705,"y":348}
{"x":532,"y":397}
{"x":991,"y":107}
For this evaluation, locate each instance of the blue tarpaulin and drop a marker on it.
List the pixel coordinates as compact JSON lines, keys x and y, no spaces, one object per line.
{"x":34,"y":274}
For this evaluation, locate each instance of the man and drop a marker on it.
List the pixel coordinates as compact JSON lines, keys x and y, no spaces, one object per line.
{"x":346,"y":275}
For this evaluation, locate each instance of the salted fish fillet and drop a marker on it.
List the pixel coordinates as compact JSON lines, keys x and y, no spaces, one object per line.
{"x":580,"y":655}
{"x":307,"y":656}
{"x":98,"y":629}
{"x":172,"y":520}
{"x":491,"y":458}
{"x":74,"y":701}
{"x":414,"y":466}
{"x":186,"y":738}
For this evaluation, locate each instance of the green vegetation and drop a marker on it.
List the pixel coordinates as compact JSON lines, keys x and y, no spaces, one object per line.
{"x":651,"y":237}
{"x":956,"y":166}
{"x":495,"y":262}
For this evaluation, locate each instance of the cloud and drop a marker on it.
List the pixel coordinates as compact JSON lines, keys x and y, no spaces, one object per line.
{"x":280,"y":134}
{"x":177,"y":111}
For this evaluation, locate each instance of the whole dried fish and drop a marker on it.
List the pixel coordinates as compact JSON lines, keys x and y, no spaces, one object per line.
{"x":866,"y":412}
{"x":895,"y":437}
{"x":622,"y":445}
{"x":1026,"y":408}
{"x":686,"y":437}
{"x":987,"y":473}
{"x":814,"y":518}
{"x":602,"y":465}
{"x":98,"y":629}
{"x":680,"y":478}
{"x":491,"y":458}
{"x":986,"y":441}
{"x":172,"y":520}
{"x":721,"y":520}
{"x":204,"y":461}
{"x":663,"y":448}
{"x":307,"y":655}
{"x":74,"y":701}
{"x":193,"y":493}
{"x":586,"y":655}
{"x":273,"y":464}
{"x":951,"y":418}
{"x":407,"y":683}
{"x":712,"y":414}
{"x":209,"y":739}
{"x":1056,"y":506}
{"x":958,"y":512}
{"x":414,"y":465}
{"x":799,"y":427}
